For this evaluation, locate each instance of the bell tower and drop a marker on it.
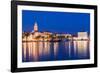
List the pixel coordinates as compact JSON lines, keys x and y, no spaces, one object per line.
{"x":35,"y":27}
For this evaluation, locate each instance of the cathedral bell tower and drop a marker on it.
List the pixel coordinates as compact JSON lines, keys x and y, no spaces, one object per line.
{"x":35,"y":27}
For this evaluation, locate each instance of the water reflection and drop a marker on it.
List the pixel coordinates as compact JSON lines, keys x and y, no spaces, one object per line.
{"x":81,"y":48}
{"x":49,"y":51}
{"x":56,"y":45}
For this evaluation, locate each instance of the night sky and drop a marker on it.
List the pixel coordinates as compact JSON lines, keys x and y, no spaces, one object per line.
{"x":59,"y":22}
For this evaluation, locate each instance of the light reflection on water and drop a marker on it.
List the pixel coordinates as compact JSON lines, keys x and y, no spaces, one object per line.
{"x":50,"y":51}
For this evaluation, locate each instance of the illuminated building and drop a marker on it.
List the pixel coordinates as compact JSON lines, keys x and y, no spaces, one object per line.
{"x":35,"y":27}
{"x":82,"y":35}
{"x":36,"y":35}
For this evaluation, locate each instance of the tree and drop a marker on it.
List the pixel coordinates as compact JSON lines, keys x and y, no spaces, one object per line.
{"x":26,"y":34}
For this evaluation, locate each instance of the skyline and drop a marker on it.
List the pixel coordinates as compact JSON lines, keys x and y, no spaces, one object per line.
{"x":59,"y":22}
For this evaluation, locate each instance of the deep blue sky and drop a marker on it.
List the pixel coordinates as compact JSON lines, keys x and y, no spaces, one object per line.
{"x":60,"y":22}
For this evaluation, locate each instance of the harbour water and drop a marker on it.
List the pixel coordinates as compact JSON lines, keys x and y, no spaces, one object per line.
{"x":52,"y":51}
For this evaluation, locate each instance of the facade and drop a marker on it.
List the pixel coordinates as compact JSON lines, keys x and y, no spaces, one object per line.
{"x":82,"y":35}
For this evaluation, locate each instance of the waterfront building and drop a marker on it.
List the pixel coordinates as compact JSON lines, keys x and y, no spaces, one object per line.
{"x":36,"y":35}
{"x":82,"y":35}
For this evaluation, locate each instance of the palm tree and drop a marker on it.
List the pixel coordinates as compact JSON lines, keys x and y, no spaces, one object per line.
{"x":27,"y":34}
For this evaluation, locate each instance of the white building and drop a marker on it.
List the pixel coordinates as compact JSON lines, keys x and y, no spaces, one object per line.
{"x":82,"y":35}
